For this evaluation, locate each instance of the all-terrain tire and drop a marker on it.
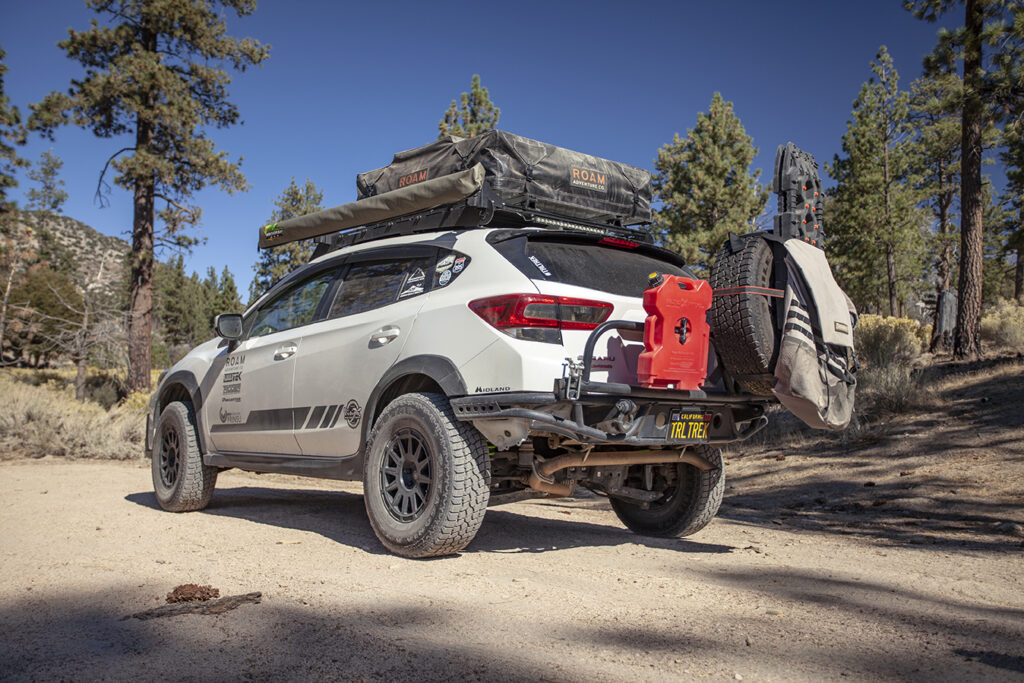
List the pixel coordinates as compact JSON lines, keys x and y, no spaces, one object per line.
{"x":426,"y":477}
{"x":686,"y":508}
{"x":181,"y":481}
{"x":743,"y":325}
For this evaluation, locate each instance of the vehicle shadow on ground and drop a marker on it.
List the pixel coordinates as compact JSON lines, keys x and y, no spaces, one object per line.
{"x":341,"y":517}
{"x":919,"y":479}
{"x":938,"y":638}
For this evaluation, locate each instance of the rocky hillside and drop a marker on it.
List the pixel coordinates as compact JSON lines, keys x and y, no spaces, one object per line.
{"x":95,"y":257}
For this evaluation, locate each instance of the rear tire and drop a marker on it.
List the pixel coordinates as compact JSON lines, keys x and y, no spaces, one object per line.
{"x":181,"y":481}
{"x":686,"y":507}
{"x":426,"y":477}
{"x":743,"y":325}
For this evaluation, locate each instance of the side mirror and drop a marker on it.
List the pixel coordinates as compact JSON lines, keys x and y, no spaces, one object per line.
{"x":228,"y":325}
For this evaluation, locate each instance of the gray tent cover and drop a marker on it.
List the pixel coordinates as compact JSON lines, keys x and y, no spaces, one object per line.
{"x":526,"y":175}
{"x":399,"y":202}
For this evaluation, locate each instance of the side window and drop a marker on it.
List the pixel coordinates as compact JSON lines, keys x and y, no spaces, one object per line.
{"x":373,"y":284}
{"x":293,"y":307}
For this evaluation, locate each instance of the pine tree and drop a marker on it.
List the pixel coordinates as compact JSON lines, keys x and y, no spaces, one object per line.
{"x":936,"y":166}
{"x":228,"y":300}
{"x":705,"y":184}
{"x":276,"y":262}
{"x":1013,"y":229}
{"x":991,"y":46}
{"x":475,"y":113}
{"x":876,"y":231}
{"x":153,"y":74}
{"x":172,"y":301}
{"x":11,"y":135}
{"x":49,"y":196}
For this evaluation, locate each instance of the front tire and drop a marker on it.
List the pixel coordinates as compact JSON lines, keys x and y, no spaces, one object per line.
{"x":426,"y":477}
{"x":687,"y":506}
{"x":181,"y":481}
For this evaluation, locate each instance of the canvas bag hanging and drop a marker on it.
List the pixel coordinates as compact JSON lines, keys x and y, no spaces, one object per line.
{"x":816,"y":371}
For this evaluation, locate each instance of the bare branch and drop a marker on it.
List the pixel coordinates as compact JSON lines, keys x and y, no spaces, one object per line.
{"x":99,"y":196}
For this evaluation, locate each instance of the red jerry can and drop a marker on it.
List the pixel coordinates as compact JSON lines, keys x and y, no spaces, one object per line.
{"x":676,"y":333}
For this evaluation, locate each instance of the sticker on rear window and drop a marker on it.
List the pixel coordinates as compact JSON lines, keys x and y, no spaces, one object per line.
{"x":417,"y":275}
{"x":445,"y":263}
{"x":540,"y":266}
{"x":410,"y":291}
{"x":445,"y":277}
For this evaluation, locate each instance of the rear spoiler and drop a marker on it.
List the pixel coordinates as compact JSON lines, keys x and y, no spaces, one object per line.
{"x":385,"y":206}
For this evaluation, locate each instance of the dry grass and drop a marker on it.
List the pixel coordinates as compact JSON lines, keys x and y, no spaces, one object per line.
{"x":47,"y":420}
{"x":1003,"y":325}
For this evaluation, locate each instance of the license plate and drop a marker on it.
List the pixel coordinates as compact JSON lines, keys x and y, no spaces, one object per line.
{"x":689,"y":427}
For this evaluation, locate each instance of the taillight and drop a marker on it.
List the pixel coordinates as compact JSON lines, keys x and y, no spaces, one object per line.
{"x":540,"y":317}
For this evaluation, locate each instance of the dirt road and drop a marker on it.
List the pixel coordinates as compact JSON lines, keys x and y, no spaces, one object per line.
{"x":549,"y":590}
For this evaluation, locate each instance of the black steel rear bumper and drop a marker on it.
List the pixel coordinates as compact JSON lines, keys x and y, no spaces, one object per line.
{"x":619,"y":414}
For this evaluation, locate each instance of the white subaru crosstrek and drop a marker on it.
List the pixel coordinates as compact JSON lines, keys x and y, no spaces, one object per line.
{"x":448,"y":369}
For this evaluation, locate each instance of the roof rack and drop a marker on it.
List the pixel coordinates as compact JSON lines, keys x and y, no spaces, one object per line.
{"x":480,"y":210}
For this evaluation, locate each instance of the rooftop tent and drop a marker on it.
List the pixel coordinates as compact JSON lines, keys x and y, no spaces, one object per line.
{"x":490,"y":179}
{"x":381,"y":207}
{"x":527,"y":175}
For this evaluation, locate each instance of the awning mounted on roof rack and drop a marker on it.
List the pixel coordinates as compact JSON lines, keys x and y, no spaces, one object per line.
{"x":385,"y":206}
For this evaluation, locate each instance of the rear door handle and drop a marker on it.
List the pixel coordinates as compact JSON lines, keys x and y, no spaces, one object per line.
{"x":285,"y":352}
{"x":384,"y":335}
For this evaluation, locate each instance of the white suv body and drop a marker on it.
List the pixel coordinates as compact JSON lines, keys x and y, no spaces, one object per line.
{"x":447,"y":368}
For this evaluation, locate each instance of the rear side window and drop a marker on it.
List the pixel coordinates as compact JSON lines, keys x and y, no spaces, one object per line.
{"x":590,"y":265}
{"x":373,"y":284}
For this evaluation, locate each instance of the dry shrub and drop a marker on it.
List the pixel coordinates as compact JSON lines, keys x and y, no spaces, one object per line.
{"x":43,"y":420}
{"x":891,"y":390}
{"x":1003,"y":325}
{"x":884,"y":342}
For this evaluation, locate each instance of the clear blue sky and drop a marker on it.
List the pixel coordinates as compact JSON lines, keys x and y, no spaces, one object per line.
{"x":350,"y":83}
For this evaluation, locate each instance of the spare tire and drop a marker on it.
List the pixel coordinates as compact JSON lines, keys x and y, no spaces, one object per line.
{"x":743,"y":324}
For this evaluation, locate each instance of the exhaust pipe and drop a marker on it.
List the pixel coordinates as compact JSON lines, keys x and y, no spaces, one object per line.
{"x":541,"y":477}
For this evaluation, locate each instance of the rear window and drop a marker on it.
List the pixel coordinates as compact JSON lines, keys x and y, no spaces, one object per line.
{"x":606,"y":269}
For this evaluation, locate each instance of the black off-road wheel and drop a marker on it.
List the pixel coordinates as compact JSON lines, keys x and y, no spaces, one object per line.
{"x":181,"y":481}
{"x":743,"y":324}
{"x":687,"y":506}
{"x":426,"y":477}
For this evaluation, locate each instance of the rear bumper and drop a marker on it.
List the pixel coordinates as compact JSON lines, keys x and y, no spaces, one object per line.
{"x":641,"y":418}
{"x":596,"y":413}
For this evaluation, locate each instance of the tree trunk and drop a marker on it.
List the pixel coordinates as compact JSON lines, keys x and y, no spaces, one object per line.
{"x":1018,"y":278}
{"x":944,"y":268}
{"x":890,"y":271}
{"x":82,"y":352}
{"x":966,"y":339}
{"x":140,"y":311}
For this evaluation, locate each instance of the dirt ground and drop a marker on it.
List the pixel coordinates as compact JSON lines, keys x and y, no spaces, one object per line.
{"x":891,"y":554}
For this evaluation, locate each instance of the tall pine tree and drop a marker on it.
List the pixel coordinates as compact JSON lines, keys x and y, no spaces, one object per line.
{"x":936,"y":167}
{"x":276,"y":262}
{"x":705,"y":184}
{"x":990,"y":44}
{"x":475,"y":113}
{"x":1013,"y":230}
{"x":153,"y":74}
{"x":50,"y":195}
{"x":876,"y":234}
